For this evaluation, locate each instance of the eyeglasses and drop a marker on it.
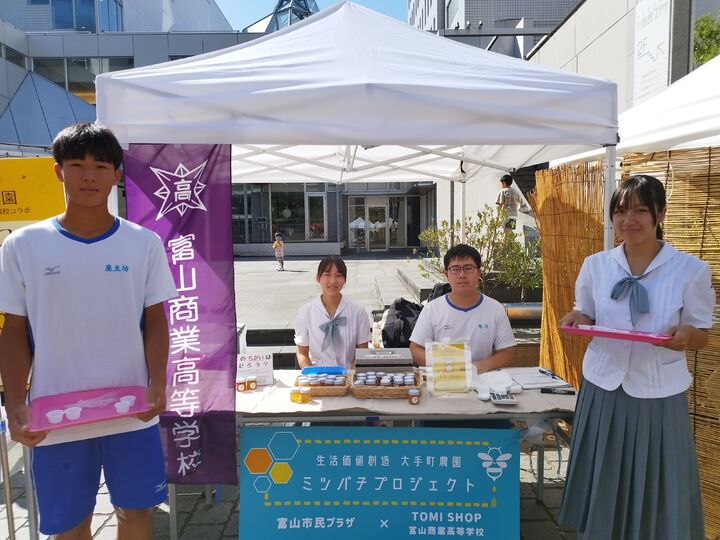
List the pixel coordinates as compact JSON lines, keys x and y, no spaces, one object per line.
{"x":467,"y":269}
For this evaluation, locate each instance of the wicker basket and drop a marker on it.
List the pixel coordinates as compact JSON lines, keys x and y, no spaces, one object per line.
{"x":328,"y":391}
{"x":379,"y":392}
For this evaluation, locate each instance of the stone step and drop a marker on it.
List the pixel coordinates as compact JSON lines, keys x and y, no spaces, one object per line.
{"x":418,"y":285}
{"x":390,"y":287}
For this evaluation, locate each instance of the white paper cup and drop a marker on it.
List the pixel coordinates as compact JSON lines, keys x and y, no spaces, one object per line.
{"x":55,"y":416}
{"x":128,"y":399}
{"x":122,"y":406}
{"x":73,"y":413}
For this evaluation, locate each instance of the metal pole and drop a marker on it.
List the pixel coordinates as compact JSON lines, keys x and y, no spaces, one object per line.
{"x":540,"y":470}
{"x":6,"y":478}
{"x":462,"y":212}
{"x":452,"y":214}
{"x":172,"y":503}
{"x":610,"y":158}
{"x":30,"y":495}
{"x":441,"y":17}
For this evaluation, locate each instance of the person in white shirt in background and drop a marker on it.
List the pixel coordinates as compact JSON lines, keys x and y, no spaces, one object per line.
{"x":632,"y":470}
{"x":465,"y":312}
{"x":331,"y":327}
{"x":511,"y":201}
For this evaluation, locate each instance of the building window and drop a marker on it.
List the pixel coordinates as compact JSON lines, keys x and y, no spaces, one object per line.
{"x":397,"y":223}
{"x":85,"y":15}
{"x":81,"y":77}
{"x":316,"y":213}
{"x":356,"y":223}
{"x":110,"y":15}
{"x":14,"y":57}
{"x":52,"y":69}
{"x":241,"y":214}
{"x":63,"y":14}
{"x":81,"y":72}
{"x":287,"y":211}
{"x":118,"y":64}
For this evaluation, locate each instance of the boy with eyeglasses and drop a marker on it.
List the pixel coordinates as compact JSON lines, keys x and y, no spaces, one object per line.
{"x":465,"y":313}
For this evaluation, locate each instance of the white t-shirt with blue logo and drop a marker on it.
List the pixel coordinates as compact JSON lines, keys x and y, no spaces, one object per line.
{"x":485,"y":325}
{"x":84,"y":300}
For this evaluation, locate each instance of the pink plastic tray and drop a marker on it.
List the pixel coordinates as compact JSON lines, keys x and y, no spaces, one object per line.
{"x":97,"y":405}
{"x":613,"y":333}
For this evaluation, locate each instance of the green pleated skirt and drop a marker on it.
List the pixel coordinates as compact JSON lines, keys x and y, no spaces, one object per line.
{"x":632,"y":472}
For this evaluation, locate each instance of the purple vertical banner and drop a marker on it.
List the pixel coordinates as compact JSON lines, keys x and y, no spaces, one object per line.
{"x":183,"y":193}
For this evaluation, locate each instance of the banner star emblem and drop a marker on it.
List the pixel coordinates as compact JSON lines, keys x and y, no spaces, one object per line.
{"x":180,"y":189}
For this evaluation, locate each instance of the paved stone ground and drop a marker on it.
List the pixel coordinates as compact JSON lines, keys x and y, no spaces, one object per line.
{"x":266,"y":298}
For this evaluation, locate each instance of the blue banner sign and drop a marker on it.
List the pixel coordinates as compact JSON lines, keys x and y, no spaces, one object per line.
{"x":379,"y":483}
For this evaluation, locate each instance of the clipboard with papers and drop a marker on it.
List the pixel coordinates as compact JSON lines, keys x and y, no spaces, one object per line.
{"x":532,"y":378}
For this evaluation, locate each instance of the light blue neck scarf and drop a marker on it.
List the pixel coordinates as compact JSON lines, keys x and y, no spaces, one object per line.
{"x":332,"y":333}
{"x":639,"y":302}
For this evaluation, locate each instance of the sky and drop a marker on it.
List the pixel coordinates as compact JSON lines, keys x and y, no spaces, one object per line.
{"x":242,"y":13}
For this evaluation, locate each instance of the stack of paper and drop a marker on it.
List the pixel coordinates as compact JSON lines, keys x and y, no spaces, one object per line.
{"x":532,"y":378}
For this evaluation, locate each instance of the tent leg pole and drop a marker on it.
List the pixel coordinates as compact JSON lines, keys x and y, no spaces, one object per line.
{"x":452,"y":214}
{"x":610,"y":159}
{"x":462,"y":212}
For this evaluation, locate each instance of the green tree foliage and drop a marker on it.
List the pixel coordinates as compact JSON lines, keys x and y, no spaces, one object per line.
{"x":504,"y":259}
{"x":706,"y":39}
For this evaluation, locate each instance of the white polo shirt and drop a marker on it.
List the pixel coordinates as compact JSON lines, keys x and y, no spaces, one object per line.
{"x":84,"y":300}
{"x":355,"y":331}
{"x":679,"y":291}
{"x":485,"y":325}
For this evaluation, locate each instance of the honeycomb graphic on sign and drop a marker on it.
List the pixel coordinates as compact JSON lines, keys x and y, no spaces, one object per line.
{"x":281,"y":473}
{"x":280,"y":450}
{"x":258,"y":460}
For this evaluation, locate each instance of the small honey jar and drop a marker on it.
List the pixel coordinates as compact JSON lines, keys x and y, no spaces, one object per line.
{"x":414,"y":396}
{"x":241,"y":384}
{"x":252,"y":382}
{"x":305,"y":394}
{"x":295,"y":395}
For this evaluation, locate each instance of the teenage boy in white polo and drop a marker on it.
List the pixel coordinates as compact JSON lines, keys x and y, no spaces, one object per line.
{"x":465,"y":313}
{"x":83,"y":294}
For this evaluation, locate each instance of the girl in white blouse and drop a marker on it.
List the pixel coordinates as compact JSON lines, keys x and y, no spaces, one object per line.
{"x":633,"y":472}
{"x":331,"y":327}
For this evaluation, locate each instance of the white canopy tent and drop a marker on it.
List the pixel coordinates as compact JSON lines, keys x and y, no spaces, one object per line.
{"x":352,"y":95}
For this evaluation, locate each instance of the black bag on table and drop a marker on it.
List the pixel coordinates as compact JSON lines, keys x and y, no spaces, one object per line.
{"x":440,"y":289}
{"x":400,"y":319}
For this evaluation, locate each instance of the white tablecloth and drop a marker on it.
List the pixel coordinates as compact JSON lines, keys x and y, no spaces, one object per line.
{"x":274,"y":401}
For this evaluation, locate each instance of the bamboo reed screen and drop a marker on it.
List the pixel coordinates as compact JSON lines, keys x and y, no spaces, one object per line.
{"x":568,"y":208}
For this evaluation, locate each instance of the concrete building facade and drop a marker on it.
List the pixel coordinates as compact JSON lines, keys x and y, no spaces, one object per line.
{"x":642,"y":45}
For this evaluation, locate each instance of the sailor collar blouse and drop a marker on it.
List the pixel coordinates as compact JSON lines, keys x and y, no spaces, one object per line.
{"x":679,"y":291}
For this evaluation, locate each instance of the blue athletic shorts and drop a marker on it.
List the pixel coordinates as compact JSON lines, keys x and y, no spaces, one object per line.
{"x":67,"y":476}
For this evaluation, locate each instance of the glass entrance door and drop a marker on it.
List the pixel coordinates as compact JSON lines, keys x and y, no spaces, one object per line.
{"x":377,"y":223}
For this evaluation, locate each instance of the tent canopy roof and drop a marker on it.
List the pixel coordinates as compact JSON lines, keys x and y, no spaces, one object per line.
{"x":351,"y":76}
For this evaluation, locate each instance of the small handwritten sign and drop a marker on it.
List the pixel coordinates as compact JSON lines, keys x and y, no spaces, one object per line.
{"x":259,"y":364}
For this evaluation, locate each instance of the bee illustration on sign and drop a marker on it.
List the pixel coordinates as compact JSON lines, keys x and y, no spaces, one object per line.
{"x":494,"y":462}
